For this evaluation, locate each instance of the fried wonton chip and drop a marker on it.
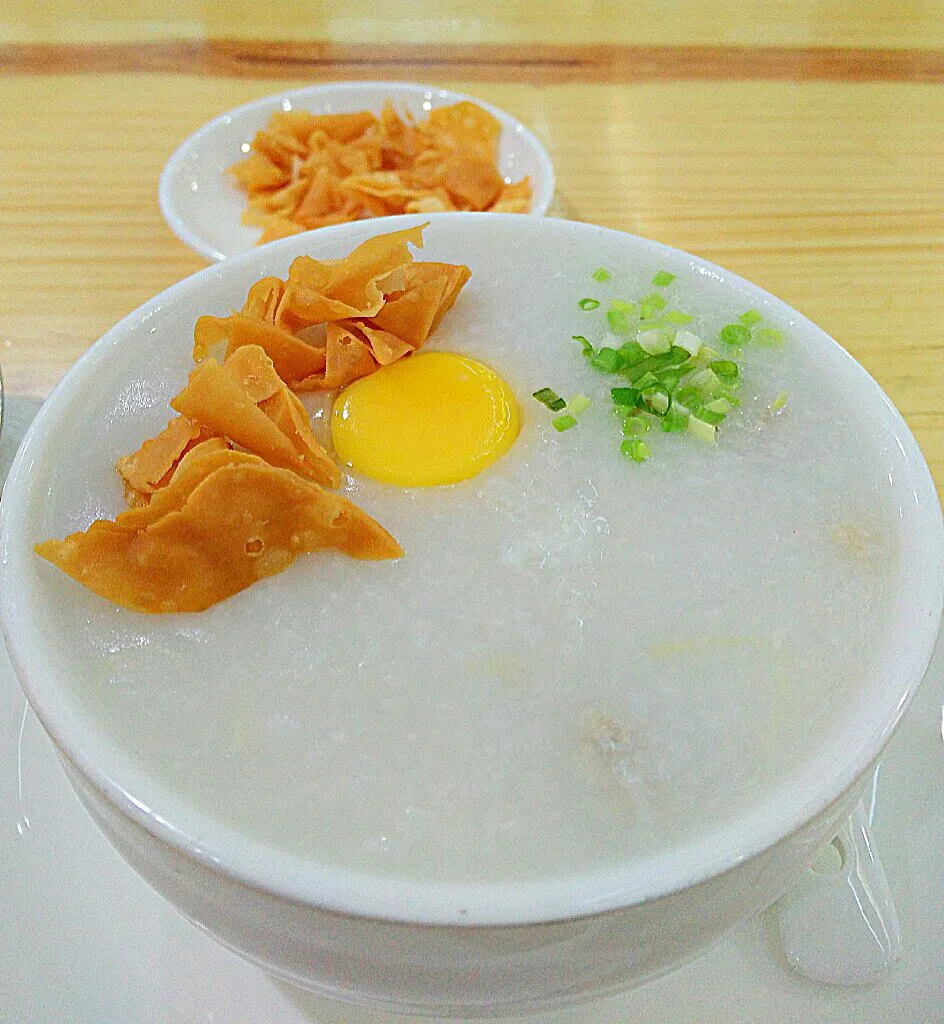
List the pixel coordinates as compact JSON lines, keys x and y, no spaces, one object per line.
{"x":224,"y":398}
{"x":333,"y":321}
{"x":428,"y":291}
{"x":238,"y":524}
{"x":320,"y":291}
{"x":514,"y":198}
{"x":293,"y":358}
{"x":151,"y":466}
{"x":306,"y":170}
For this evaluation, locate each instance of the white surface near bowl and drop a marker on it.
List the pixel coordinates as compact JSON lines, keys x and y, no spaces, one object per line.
{"x":204,"y":208}
{"x":406,"y":946}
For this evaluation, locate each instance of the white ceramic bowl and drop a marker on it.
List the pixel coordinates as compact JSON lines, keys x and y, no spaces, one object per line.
{"x":204,"y":208}
{"x":406,"y":946}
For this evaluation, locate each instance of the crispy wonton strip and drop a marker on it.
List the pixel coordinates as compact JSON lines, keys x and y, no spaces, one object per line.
{"x":217,"y":398}
{"x":348,"y":357}
{"x":429,"y":291}
{"x":144,"y":470}
{"x":319,"y":291}
{"x":194,"y":466}
{"x":294,"y":359}
{"x":238,"y":525}
{"x":306,"y":170}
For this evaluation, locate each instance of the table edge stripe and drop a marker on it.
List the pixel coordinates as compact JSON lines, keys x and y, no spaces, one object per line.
{"x":538,"y":64}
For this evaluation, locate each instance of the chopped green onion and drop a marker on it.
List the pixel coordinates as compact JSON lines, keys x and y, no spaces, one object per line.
{"x":655,"y":398}
{"x":636,"y":450}
{"x":651,"y":304}
{"x":750,"y":318}
{"x":701,"y":429}
{"x":610,"y":360}
{"x":735,"y":334}
{"x":670,"y":378}
{"x":584,"y":344}
{"x":646,"y":380}
{"x":550,"y":398}
{"x":721,"y":405}
{"x":623,"y":306}
{"x":663,"y":278}
{"x":562,"y":423}
{"x":767,"y":337}
{"x":633,"y":426}
{"x":653,"y":364}
{"x":701,"y":379}
{"x":709,"y":415}
{"x":625,"y":396}
{"x":633,"y":353}
{"x":678,"y":318}
{"x":675,"y":420}
{"x":619,"y":321}
{"x":601,"y":274}
{"x":654,"y":342}
{"x":688,"y":396}
{"x":587,"y":304}
{"x":779,"y":402}
{"x":726,"y":370}
{"x":690,"y":342}
{"x":578,"y":404}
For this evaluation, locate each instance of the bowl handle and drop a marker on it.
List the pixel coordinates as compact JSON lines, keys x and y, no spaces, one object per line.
{"x":839,"y":924}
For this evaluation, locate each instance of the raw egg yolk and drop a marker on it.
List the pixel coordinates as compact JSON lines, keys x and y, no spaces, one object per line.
{"x":432,"y":418}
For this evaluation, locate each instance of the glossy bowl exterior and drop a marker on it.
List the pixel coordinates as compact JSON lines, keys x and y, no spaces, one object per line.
{"x":518,"y":947}
{"x":451,"y":970}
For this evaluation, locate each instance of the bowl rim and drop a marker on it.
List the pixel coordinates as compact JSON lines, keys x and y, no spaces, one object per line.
{"x":344,"y":891}
{"x":174,"y":167}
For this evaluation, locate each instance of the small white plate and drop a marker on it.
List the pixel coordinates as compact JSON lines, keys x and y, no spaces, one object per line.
{"x":204,"y":208}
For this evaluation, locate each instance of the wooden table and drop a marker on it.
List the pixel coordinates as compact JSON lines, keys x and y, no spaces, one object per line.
{"x":801,"y":149}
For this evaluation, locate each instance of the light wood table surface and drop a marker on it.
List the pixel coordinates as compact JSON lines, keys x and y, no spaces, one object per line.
{"x":796,"y":144}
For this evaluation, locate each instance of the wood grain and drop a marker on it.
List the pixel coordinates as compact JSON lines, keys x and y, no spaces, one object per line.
{"x":539,"y":64}
{"x":796,"y":23}
{"x":827,"y":194}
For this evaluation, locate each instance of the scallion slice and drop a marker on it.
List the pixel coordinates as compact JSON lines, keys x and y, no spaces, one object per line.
{"x":779,"y":402}
{"x":675,"y":420}
{"x":680,"y":319}
{"x":726,"y":370}
{"x":587,"y":304}
{"x":628,"y":397}
{"x":651,"y":305}
{"x":690,"y":342}
{"x":701,"y":429}
{"x":663,"y":278}
{"x":584,"y":344}
{"x":710,"y":416}
{"x":610,"y":360}
{"x":735,"y":334}
{"x":550,"y":398}
{"x":624,"y":307}
{"x":655,"y":398}
{"x":655,"y":342}
{"x":767,"y":337}
{"x":750,"y":318}
{"x":633,"y":426}
{"x":562,"y":423}
{"x":578,"y":404}
{"x":601,"y":274}
{"x":636,"y":450}
{"x":618,"y":321}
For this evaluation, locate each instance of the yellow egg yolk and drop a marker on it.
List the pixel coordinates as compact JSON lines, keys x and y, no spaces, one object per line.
{"x":432,"y":418}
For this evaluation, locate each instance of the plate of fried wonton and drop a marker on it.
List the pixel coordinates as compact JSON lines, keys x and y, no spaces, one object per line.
{"x":338,"y":152}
